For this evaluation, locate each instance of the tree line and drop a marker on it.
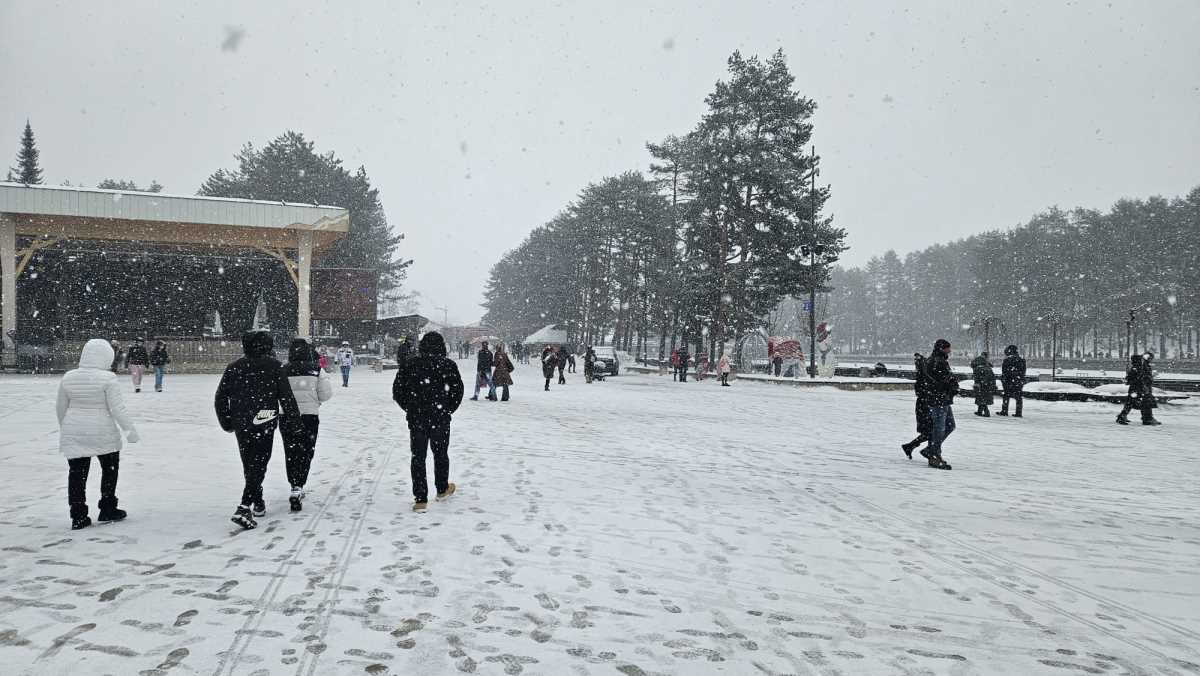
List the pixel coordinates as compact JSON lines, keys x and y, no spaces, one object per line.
{"x":1071,"y":277}
{"x":698,"y":250}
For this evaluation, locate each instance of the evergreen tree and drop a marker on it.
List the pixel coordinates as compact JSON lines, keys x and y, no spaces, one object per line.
{"x":28,"y":170}
{"x":288,"y":169}
{"x":120,"y":184}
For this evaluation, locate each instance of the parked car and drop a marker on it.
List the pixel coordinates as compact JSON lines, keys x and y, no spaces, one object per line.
{"x":606,"y":360}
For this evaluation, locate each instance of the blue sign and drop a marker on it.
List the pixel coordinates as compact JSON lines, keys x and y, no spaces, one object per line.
{"x":808,"y":306}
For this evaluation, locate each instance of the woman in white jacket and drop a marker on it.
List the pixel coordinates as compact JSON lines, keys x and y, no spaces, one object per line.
{"x":89,"y":409}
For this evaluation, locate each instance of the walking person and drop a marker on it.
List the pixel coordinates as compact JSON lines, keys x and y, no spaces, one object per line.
{"x":429,"y":390}
{"x":483,"y":372}
{"x":1012,"y":377}
{"x":310,"y":388}
{"x":985,"y":384}
{"x":502,"y":368}
{"x":724,"y":367}
{"x":90,"y":409}
{"x":136,"y":360}
{"x":159,"y":360}
{"x":118,"y":357}
{"x":549,"y":362}
{"x":1140,"y":379}
{"x":684,"y":358}
{"x":675,"y":365}
{"x":942,"y":386}
{"x":345,"y":359}
{"x":921,"y":388}
{"x":560,"y":353}
{"x":589,"y":365}
{"x":249,"y":398}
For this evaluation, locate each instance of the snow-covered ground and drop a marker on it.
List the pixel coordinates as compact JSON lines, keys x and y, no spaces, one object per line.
{"x":632,"y":526}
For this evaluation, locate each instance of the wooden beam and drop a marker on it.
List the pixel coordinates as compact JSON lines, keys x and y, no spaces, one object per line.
{"x":288,"y":263}
{"x":34,"y":246}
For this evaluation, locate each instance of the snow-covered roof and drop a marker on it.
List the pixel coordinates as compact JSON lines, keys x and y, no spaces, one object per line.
{"x":42,"y":200}
{"x":547,"y":334}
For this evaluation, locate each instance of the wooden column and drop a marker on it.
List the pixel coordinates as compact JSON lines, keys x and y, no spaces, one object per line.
{"x":8,"y":277}
{"x":303,"y":285}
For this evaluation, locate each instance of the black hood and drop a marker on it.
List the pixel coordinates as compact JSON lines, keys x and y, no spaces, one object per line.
{"x":300,"y":350}
{"x":433,"y":344}
{"x":1011,"y":350}
{"x":257,"y":344}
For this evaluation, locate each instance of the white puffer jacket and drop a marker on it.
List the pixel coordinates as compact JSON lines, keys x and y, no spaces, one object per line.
{"x":90,"y":406}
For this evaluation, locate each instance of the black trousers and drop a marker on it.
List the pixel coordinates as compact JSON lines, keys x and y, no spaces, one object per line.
{"x":561,"y":379}
{"x":254,"y":445}
{"x":422,"y":438}
{"x":1017,"y":395}
{"x":683,"y":374}
{"x":77,"y":475}
{"x":299,"y":445}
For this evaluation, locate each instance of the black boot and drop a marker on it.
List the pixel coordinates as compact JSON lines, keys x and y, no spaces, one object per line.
{"x":908,"y":449}
{"x":109,"y":511}
{"x":79,"y":517}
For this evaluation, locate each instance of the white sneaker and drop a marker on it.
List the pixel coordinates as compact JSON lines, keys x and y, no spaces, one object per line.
{"x":297,"y":498}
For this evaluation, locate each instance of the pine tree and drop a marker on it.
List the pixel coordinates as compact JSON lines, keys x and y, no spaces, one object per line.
{"x":27,"y":171}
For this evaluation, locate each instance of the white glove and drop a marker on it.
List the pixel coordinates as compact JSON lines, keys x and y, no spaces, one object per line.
{"x":132,"y":437}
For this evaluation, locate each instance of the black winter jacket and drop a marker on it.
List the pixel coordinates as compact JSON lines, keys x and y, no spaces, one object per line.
{"x":159,"y":357}
{"x":942,"y":382}
{"x":429,"y":387}
{"x":1012,"y":373}
{"x":484,"y":362}
{"x":137,"y":356}
{"x":254,"y":388}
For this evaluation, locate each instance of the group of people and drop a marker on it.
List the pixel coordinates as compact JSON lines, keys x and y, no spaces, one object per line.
{"x":681,"y":360}
{"x":255,"y":396}
{"x":137,"y":359}
{"x":492,"y":371}
{"x":936,"y":386}
{"x":1012,"y":380}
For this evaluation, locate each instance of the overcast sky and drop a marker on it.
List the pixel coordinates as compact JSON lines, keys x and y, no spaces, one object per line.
{"x":478,"y":122}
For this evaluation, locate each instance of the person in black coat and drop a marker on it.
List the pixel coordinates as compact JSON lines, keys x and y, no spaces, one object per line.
{"x":483,"y":373}
{"x":136,"y":360}
{"x":159,"y":360}
{"x":941,"y":386}
{"x":549,"y":363}
{"x":1012,"y":377}
{"x":403,"y":351}
{"x":985,"y":384}
{"x":249,"y":398}
{"x":921,"y":388}
{"x":1140,"y":379}
{"x":560,"y":354}
{"x":429,"y":389}
{"x":684,"y":358}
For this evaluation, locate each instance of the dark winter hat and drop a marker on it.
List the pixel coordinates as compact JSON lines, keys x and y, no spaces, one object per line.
{"x":941,"y":344}
{"x":1010,"y":350}
{"x":299,"y":350}
{"x":257,"y":344}
{"x":432,"y":344}
{"x":1135,"y":359}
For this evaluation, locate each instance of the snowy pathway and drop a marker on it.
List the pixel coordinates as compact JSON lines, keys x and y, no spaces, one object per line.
{"x":633,"y":526}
